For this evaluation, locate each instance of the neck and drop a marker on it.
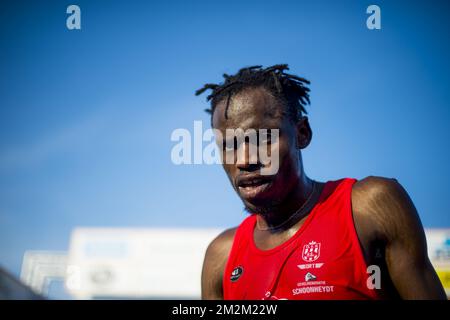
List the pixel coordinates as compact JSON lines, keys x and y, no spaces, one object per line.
{"x":284,"y":216}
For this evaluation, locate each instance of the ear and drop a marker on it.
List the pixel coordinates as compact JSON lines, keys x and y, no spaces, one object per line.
{"x":304,"y":133}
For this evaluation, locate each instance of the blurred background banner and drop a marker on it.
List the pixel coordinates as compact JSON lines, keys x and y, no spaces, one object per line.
{"x":86,"y":118}
{"x":438,"y":241}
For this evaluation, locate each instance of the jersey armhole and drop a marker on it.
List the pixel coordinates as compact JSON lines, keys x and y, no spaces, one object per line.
{"x":237,"y":243}
{"x":357,"y":244}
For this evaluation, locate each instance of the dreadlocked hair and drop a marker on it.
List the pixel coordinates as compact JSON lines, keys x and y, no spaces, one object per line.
{"x":289,"y":89}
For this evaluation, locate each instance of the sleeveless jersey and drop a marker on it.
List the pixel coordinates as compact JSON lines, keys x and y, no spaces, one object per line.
{"x":322,"y":260}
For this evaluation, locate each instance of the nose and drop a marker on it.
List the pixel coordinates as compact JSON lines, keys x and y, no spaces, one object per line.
{"x":247,"y":158}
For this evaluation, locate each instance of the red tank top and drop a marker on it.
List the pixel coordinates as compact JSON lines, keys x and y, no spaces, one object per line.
{"x":322,"y":260}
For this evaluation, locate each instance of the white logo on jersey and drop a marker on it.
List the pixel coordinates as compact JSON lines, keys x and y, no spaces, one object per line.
{"x":311,"y":251}
{"x":309,"y":276}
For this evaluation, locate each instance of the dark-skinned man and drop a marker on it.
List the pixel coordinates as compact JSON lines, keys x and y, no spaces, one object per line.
{"x":305,"y":239}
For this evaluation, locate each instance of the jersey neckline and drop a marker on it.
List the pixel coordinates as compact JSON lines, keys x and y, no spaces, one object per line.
{"x":305,"y":224}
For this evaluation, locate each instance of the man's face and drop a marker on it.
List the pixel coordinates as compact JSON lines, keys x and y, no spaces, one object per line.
{"x":256,"y":108}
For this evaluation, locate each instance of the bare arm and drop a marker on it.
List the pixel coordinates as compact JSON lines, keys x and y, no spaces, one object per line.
{"x":216,"y":257}
{"x":393,"y":219}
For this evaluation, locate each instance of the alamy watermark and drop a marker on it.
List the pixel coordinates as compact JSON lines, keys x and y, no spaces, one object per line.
{"x":73,"y":21}
{"x":373,"y":22}
{"x":374,"y":279}
{"x":234,"y":146}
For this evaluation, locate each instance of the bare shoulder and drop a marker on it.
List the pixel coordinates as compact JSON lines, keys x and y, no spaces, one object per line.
{"x":216,"y":257}
{"x":221,"y":245}
{"x":384,"y":211}
{"x":372,"y":187}
{"x":383,"y":204}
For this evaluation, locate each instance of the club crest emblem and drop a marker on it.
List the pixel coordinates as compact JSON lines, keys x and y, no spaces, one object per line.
{"x":311,"y":251}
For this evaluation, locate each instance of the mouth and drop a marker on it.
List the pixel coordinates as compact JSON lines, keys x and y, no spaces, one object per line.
{"x":252,"y":186}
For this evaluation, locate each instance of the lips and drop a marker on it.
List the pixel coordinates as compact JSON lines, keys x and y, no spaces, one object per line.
{"x":251,"y":186}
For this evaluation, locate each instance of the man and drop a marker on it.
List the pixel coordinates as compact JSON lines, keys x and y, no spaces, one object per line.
{"x":304,"y":239}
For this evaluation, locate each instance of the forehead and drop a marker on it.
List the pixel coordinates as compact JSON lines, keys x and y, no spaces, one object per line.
{"x":253,"y":108}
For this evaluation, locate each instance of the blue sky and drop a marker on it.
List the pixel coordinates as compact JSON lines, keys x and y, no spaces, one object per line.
{"x":86,"y":115}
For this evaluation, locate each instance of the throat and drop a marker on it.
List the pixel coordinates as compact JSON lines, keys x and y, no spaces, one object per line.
{"x":279,"y":221}
{"x":278,"y":225}
{"x":268,"y":240}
